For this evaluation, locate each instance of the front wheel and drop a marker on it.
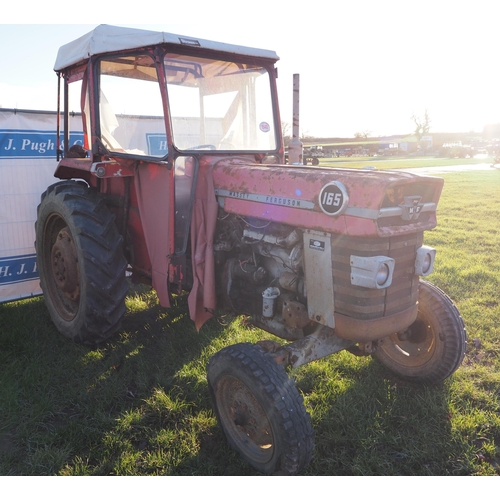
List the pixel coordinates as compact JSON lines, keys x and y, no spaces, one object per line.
{"x":80,"y":262}
{"x":431,"y":348}
{"x":260,"y":410}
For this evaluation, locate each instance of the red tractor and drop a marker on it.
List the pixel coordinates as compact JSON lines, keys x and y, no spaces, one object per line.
{"x":180,"y":182}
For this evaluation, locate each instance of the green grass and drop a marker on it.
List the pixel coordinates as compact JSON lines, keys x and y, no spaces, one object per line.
{"x":389,"y":163}
{"x":139,"y":404}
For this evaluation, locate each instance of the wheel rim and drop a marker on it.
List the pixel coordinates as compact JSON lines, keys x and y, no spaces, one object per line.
{"x":414,"y":346}
{"x":244,"y":420}
{"x":61,"y":264}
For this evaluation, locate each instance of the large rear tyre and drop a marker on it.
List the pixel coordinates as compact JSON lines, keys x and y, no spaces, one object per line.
{"x":433,"y":347}
{"x":260,"y":410}
{"x":80,"y":261}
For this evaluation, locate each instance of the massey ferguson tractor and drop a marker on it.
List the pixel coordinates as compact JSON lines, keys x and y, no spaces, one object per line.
{"x":180,"y":182}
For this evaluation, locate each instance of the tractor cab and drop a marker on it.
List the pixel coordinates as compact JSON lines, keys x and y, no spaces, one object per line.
{"x":158,"y":96}
{"x":155,"y":105}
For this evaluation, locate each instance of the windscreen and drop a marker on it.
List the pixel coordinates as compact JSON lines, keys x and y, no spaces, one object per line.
{"x":130,"y":106}
{"x":219,"y":105}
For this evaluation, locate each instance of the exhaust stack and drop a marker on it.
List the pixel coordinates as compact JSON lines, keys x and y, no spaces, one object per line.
{"x":295,"y":146}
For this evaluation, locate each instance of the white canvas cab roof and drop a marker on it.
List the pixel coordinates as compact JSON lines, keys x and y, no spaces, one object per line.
{"x":106,"y":38}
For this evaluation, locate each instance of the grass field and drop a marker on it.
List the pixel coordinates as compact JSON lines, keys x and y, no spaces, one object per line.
{"x":386,"y":163}
{"x":139,"y":404}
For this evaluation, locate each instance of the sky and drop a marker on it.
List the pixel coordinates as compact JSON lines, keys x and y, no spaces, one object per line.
{"x":364,"y":66}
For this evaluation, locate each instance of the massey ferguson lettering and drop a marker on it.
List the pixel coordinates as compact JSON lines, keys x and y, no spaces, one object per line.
{"x":263,"y":198}
{"x":289,"y":202}
{"x":241,"y":196}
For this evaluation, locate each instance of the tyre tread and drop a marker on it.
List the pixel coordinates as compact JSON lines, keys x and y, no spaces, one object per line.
{"x":104,"y":263}
{"x":280,"y":390}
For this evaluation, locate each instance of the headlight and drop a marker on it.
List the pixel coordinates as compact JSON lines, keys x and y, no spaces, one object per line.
{"x":424,"y":263}
{"x":372,"y":272}
{"x":383,"y":274}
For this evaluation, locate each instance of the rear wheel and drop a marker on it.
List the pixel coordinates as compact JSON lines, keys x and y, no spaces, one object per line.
{"x":260,"y":410}
{"x":80,"y":262}
{"x":433,"y":347}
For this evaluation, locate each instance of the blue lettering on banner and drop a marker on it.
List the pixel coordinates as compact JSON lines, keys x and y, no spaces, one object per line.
{"x":17,"y":269}
{"x":18,"y":144}
{"x":157,"y":144}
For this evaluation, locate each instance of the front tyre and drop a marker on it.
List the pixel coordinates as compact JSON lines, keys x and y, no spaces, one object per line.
{"x":80,"y":261}
{"x":433,"y":347}
{"x":260,"y":410}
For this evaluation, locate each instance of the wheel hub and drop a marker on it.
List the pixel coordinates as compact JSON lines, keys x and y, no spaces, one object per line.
{"x":255,"y":428}
{"x":246,"y":420}
{"x":417,"y":340}
{"x":65,"y":264}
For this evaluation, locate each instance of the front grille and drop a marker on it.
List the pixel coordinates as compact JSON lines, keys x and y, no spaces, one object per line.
{"x":367,"y":303}
{"x":397,"y":221}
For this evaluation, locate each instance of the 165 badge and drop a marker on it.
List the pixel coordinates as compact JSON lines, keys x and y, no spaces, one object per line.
{"x":333,"y":198}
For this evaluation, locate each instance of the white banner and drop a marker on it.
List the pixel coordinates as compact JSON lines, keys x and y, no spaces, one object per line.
{"x":27,"y":165}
